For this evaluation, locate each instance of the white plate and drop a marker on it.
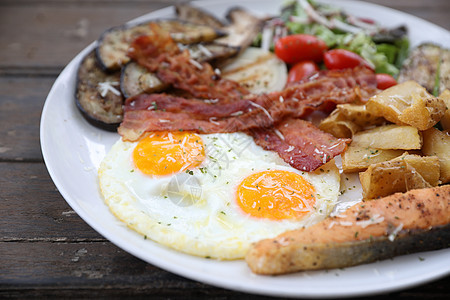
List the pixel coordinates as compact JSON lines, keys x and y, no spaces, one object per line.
{"x":73,"y":149}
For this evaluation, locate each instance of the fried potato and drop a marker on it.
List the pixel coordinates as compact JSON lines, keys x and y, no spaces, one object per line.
{"x":389,"y":137}
{"x":408,"y":103}
{"x":359,"y":115}
{"x":427,"y":166}
{"x":400,"y":174}
{"x":357,"y":158}
{"x":445,"y":120}
{"x":337,"y":125}
{"x":436,"y":142}
{"x":348,"y":119}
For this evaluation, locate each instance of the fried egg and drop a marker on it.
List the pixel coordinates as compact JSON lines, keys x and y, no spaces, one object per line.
{"x":211,"y":195}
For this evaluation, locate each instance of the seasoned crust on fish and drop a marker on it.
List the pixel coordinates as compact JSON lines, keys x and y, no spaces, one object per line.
{"x":373,"y":230}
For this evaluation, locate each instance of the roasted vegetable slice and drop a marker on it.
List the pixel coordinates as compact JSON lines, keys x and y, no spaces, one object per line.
{"x":97,"y":94}
{"x":136,"y":79}
{"x":423,"y":64}
{"x":212,"y":52}
{"x":243,"y":28}
{"x":445,"y":120}
{"x":260,"y":71}
{"x":113,"y":43}
{"x":196,"y":15}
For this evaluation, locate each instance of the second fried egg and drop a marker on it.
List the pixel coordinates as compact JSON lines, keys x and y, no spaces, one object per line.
{"x":211,"y":195}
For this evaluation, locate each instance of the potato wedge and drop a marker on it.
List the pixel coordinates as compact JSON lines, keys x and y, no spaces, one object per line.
{"x":389,"y":137}
{"x":427,"y":166}
{"x":357,"y":158}
{"x":348,"y":119}
{"x":445,"y":120}
{"x":436,"y":142}
{"x":408,"y":103}
{"x":400,"y":174}
{"x":359,"y":115}
{"x":337,"y":125}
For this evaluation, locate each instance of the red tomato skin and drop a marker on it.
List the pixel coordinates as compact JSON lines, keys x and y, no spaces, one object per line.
{"x":298,"y":47}
{"x":338,"y":59}
{"x":302,"y":70}
{"x":385,"y":81}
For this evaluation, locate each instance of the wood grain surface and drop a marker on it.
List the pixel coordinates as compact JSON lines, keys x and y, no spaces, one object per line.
{"x":46,"y":250}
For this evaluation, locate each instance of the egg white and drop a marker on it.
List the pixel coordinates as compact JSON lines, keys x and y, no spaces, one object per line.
{"x":195,"y":211}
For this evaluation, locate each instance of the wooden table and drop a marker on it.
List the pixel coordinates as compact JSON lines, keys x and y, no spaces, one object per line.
{"x":46,"y":250}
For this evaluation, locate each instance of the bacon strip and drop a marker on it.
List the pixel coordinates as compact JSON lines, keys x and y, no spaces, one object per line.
{"x":195,"y":108}
{"x":250,"y":112}
{"x":219,"y":105}
{"x":300,"y":144}
{"x":137,"y":122}
{"x":161,"y":55}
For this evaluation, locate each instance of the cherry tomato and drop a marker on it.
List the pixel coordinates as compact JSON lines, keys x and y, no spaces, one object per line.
{"x":385,"y":81}
{"x":343,"y":59}
{"x":298,"y":47}
{"x":302,"y":70}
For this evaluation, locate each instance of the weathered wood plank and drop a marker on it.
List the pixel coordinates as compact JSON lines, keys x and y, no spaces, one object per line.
{"x":85,"y":269}
{"x":31,"y":208}
{"x":101,"y":269}
{"x":21,"y":102}
{"x":50,"y":33}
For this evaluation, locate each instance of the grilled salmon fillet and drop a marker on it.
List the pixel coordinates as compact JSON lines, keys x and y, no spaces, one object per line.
{"x":398,"y":224}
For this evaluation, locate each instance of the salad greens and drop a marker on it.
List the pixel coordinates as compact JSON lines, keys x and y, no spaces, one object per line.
{"x":385,"y":48}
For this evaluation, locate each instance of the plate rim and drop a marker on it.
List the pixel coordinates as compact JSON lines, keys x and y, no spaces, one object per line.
{"x":186,"y":272}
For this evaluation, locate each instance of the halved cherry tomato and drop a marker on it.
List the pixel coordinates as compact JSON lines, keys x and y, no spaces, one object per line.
{"x":385,"y":81}
{"x":298,"y":47}
{"x":302,"y":70}
{"x":343,"y":59}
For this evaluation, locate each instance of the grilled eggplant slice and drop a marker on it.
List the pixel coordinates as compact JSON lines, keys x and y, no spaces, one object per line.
{"x":212,"y":53}
{"x":242,"y":30}
{"x":136,"y":79}
{"x":391,"y":35}
{"x":113,"y":43}
{"x":189,"y":13}
{"x":97,"y":94}
{"x":429,"y":65}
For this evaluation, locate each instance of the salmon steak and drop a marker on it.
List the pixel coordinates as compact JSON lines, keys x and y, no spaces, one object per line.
{"x":372,"y":230}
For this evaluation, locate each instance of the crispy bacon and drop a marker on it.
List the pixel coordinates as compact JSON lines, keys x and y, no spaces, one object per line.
{"x":325,"y":90}
{"x":156,"y":46}
{"x":215,"y":105}
{"x":196,"y":108}
{"x":300,"y":143}
{"x":137,"y":122}
{"x":161,"y":55}
{"x":250,"y":112}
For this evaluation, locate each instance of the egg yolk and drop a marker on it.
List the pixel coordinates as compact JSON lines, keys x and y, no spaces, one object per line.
{"x":276,"y":195}
{"x":165,"y":153}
